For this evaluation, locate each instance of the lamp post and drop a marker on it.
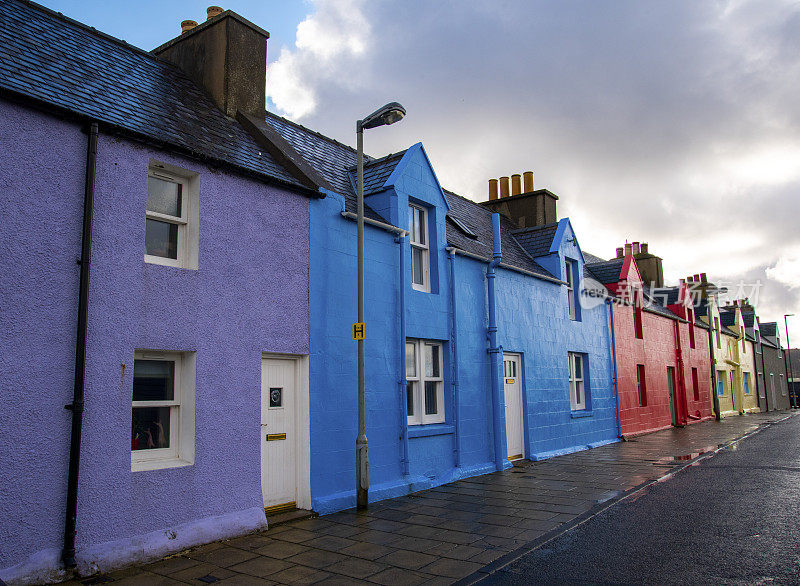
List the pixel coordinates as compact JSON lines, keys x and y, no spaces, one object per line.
{"x":388,"y":114}
{"x":790,"y":382}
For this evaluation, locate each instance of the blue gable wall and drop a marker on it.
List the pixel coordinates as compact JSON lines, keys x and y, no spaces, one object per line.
{"x":551,"y":425}
{"x":432,"y":449}
{"x":532,"y":317}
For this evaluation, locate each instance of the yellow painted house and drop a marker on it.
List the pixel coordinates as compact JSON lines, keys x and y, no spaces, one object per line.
{"x":732,"y":356}
{"x":741,"y":357}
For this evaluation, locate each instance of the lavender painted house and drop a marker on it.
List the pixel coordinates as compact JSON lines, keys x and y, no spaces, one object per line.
{"x":197,"y":320}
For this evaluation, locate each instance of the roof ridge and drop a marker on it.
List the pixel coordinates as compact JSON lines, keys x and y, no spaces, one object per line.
{"x":609,"y":261}
{"x":316,"y":133}
{"x":90,"y":29}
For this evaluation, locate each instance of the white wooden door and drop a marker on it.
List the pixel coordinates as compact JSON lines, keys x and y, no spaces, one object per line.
{"x":279,"y":432}
{"x":512,"y":377}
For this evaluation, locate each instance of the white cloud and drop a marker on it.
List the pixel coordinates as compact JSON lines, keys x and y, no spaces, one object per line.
{"x":672,"y":122}
{"x":328,"y":44}
{"x":787,"y":269}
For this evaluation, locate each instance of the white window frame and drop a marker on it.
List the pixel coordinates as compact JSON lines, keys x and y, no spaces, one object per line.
{"x":577,"y":382}
{"x":416,"y":378}
{"x":721,"y":382}
{"x":569,"y":277}
{"x":422,"y":245}
{"x":783,"y":386}
{"x":187,"y":222}
{"x":181,"y":440}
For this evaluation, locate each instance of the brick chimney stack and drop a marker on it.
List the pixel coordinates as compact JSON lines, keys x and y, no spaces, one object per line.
{"x":525,"y":209}
{"x":650,"y":266}
{"x":227,"y":55}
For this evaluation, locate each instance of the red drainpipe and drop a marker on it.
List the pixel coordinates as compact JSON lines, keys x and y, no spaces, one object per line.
{"x":681,"y":407}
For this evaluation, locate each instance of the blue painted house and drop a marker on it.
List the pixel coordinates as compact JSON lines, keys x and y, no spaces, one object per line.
{"x":442,"y":402}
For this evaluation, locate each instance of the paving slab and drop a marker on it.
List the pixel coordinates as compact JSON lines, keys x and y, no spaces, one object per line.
{"x":450,"y":532}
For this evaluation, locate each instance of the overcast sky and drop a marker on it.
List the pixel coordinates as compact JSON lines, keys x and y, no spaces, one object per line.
{"x":674,"y":122}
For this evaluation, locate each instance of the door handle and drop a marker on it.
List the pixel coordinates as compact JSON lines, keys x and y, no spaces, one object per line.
{"x":271,"y":437}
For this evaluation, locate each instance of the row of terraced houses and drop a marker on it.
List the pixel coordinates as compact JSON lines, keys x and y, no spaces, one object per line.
{"x":180,"y":273}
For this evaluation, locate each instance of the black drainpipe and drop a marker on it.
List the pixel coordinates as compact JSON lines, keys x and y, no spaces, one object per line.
{"x":68,"y":553}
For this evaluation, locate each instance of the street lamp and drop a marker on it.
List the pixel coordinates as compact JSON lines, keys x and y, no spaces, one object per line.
{"x":790,"y":382}
{"x":388,"y":114}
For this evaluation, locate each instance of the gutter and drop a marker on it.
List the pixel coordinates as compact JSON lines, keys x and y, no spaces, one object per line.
{"x":614,"y":364}
{"x":714,"y":395}
{"x":76,"y":407}
{"x":503,"y":265}
{"x":377,"y":224}
{"x":401,"y":380}
{"x":682,"y":413}
{"x":451,"y":255}
{"x":494,"y":350}
{"x":763,"y":375}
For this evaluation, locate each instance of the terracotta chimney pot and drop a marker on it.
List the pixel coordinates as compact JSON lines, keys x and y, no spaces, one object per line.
{"x":628,"y":248}
{"x":213,"y":11}
{"x":516,"y":184}
{"x":620,"y":252}
{"x":702,"y":277}
{"x":493,"y":189}
{"x":635,"y":248}
{"x":644,"y":247}
{"x":187,"y":25}
{"x":527,"y":181}
{"x":503,"y":186}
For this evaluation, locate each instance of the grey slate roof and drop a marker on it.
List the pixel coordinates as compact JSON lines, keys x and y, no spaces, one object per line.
{"x":608,"y":271}
{"x":768,"y":328}
{"x":701,"y":307}
{"x":480,"y":220}
{"x":65,"y":64}
{"x":655,"y":299}
{"x":537,"y":241}
{"x":770,"y":341}
{"x":748,"y":318}
{"x":727,"y":318}
{"x":591,"y":258}
{"x":376,"y":172}
{"x":666,"y":295}
{"x":328,"y":157}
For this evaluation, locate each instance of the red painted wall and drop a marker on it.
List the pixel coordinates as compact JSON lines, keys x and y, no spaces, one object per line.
{"x":656,"y":351}
{"x":697,"y":357}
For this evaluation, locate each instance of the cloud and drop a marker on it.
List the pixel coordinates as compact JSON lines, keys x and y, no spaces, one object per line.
{"x":328,"y":42}
{"x":787,"y":269}
{"x":669,"y":122}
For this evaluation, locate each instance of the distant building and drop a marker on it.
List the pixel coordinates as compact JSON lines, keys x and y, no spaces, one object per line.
{"x":661,"y":352}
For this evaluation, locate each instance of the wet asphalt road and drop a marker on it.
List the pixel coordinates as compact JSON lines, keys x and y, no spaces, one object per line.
{"x":733,"y":518}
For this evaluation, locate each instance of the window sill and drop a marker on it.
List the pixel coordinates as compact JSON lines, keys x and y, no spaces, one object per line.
{"x":158,"y":464}
{"x":430,"y":429}
{"x":168,"y":262}
{"x":581,"y":413}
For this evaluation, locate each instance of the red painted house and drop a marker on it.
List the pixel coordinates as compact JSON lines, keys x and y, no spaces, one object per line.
{"x":663,"y":373}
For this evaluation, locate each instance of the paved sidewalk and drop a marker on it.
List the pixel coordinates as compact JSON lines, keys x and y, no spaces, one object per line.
{"x":447,"y":533}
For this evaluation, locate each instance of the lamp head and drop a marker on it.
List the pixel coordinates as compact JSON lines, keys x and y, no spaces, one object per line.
{"x":388,"y":114}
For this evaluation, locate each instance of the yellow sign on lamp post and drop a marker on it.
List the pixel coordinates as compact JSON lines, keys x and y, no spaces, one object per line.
{"x":358,"y":331}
